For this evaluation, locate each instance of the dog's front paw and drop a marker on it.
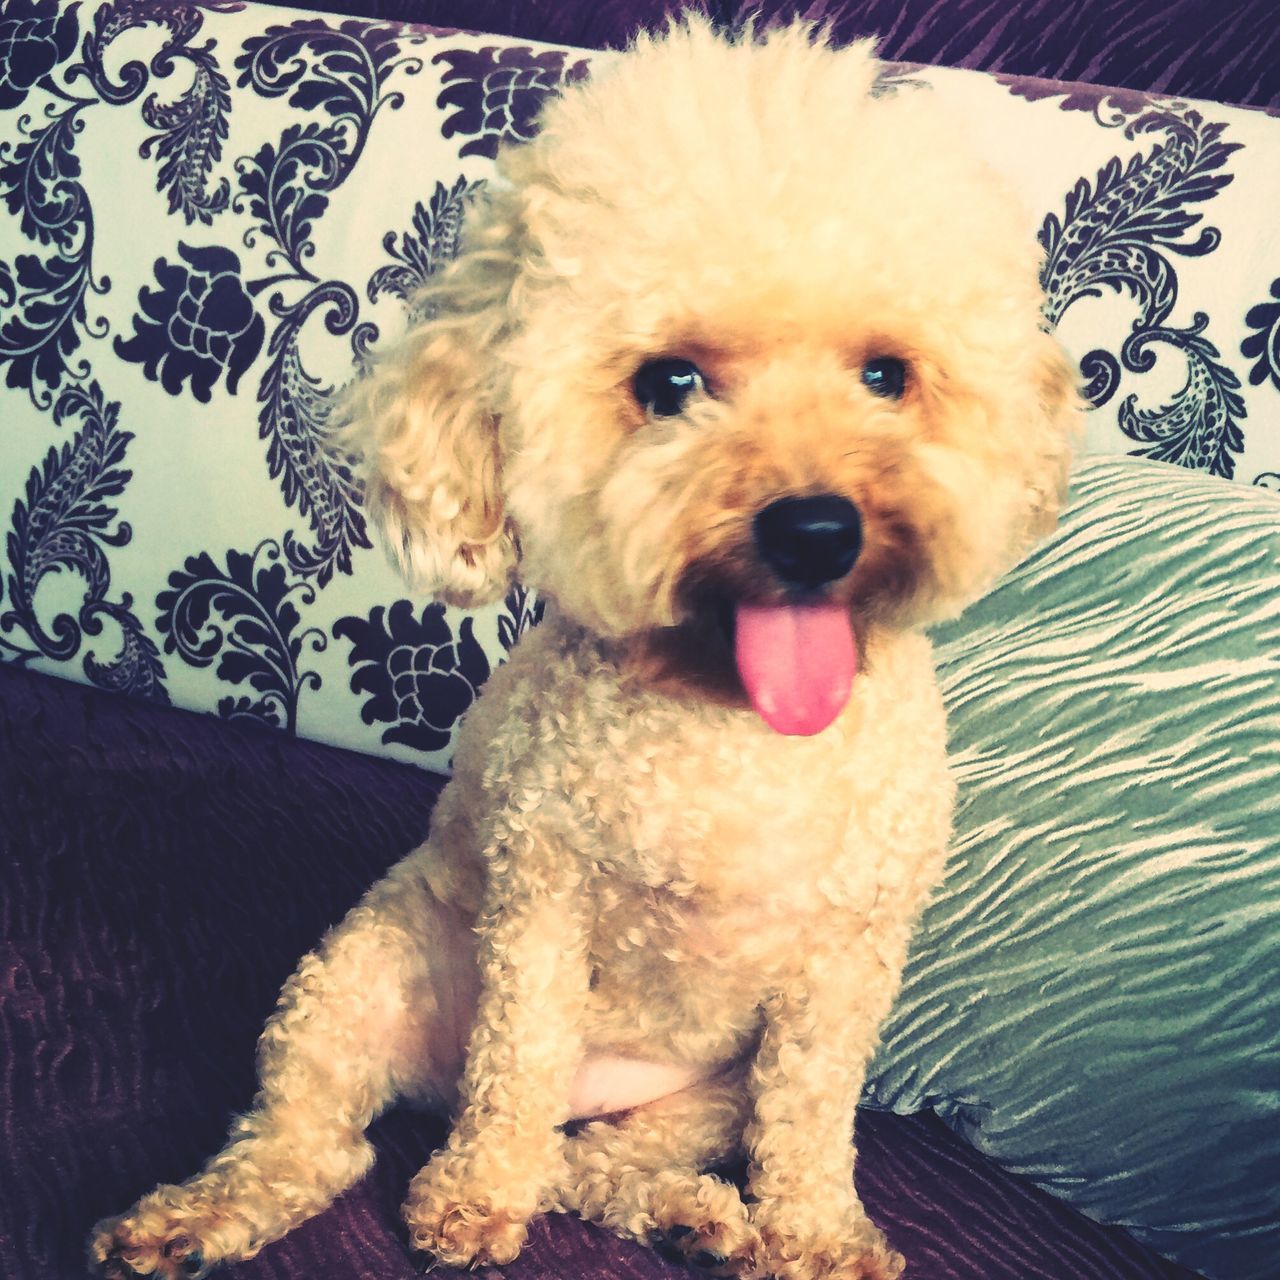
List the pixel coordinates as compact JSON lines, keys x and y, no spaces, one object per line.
{"x":150,"y":1242}
{"x":701,"y":1221}
{"x":854,"y":1250}
{"x":463,"y":1224}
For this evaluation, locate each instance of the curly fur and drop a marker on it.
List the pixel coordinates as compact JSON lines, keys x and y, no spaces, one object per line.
{"x":652,"y":873}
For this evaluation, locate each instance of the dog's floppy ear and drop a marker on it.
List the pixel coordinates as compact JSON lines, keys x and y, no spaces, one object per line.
{"x":422,"y":425}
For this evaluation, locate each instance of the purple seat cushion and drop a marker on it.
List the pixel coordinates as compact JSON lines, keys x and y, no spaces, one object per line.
{"x":162,"y":873}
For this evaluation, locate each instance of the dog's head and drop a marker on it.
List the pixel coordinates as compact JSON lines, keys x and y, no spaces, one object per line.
{"x":737,"y":348}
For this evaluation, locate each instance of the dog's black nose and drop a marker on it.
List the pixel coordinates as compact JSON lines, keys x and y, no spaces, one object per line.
{"x":809,"y":541}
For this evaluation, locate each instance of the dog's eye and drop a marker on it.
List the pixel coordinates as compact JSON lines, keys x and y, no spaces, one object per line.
{"x":885,"y":376}
{"x":663,"y":387}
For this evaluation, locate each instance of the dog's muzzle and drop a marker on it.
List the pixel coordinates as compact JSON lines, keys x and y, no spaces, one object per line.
{"x":810,"y":541}
{"x":797,"y":657}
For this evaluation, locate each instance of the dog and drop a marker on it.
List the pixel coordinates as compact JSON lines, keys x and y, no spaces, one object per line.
{"x":741,"y":366}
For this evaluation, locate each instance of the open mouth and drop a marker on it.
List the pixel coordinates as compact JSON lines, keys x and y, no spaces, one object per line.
{"x":797,"y":662}
{"x":772,"y":612}
{"x":794,"y":659}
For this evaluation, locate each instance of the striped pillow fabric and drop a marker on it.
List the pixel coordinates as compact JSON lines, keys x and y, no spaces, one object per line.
{"x":1094,"y":996}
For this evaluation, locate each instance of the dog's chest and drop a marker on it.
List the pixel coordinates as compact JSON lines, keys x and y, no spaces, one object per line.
{"x":730,"y":821}
{"x":708,"y":849}
{"x":669,"y":793}
{"x":680,"y":977}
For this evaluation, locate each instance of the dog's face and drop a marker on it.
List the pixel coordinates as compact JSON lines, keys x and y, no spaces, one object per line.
{"x":741,"y":350}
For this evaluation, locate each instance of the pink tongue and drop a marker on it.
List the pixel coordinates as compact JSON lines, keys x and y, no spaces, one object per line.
{"x":797,"y":663}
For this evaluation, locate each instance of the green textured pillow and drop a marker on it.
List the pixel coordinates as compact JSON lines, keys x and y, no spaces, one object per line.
{"x":1094,"y":996}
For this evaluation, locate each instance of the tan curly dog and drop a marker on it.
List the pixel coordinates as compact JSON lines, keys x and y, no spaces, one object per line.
{"x":741,"y":366}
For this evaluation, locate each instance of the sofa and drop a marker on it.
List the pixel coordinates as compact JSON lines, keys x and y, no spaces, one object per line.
{"x":221,"y":716}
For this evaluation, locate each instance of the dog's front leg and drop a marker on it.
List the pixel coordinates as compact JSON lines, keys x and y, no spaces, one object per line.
{"x":373,"y":1013}
{"x":808,"y":1074}
{"x":472,"y":1203}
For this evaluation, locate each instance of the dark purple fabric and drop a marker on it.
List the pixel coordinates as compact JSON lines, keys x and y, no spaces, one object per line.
{"x":162,"y":872}
{"x":1194,"y":48}
{"x":591,"y":24}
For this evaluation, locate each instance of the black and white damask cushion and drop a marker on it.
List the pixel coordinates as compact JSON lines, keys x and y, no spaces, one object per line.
{"x":208,"y":222}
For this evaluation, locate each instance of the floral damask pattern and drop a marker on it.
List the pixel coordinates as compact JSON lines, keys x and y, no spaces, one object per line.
{"x":1118,"y":232}
{"x":36,"y":35}
{"x":64,"y":521}
{"x":1262,"y":346}
{"x":263,"y":644}
{"x":496,"y":93}
{"x":213,"y":213}
{"x":200,"y":324}
{"x":433,"y":240}
{"x":421,"y":676}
